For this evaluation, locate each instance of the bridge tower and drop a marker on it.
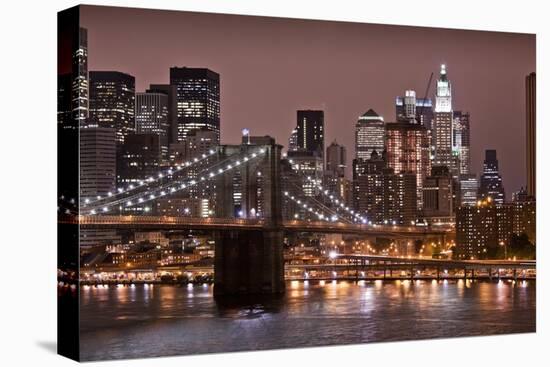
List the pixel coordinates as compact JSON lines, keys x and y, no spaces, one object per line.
{"x":249,"y":261}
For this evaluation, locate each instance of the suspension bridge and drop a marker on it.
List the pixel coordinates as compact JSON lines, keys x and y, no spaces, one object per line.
{"x":249,"y":189}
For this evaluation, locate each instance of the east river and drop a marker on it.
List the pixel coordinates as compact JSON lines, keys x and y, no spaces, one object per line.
{"x":161,"y":320}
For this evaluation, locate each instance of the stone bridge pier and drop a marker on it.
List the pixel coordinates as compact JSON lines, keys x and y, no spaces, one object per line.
{"x":250,"y":261}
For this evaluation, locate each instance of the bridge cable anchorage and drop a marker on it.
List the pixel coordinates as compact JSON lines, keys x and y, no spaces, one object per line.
{"x":333,"y":215}
{"x":179,"y":185}
{"x":322,"y":204}
{"x":151,"y":180}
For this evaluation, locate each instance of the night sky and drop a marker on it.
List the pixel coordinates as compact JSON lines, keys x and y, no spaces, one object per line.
{"x":271,"y":67}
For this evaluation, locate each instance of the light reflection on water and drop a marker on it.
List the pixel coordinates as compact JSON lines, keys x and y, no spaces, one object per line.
{"x":147,"y":320}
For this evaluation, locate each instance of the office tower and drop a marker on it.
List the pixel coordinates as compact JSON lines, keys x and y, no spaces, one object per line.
{"x":336,"y":159}
{"x":97,"y":162}
{"x":140,"y":158}
{"x":170,"y":92}
{"x":415,"y":110}
{"x":491,"y":182}
{"x":468,"y":189}
{"x":461,"y":142}
{"x":293,"y":141}
{"x":73,"y":86}
{"x":112,"y":102}
{"x":310,"y":134}
{"x":369,"y":134}
{"x":198,"y":100}
{"x":381,"y":195}
{"x":152,"y":117}
{"x":531,"y":119}
{"x":408,"y":151}
{"x":442,"y":129}
{"x":438,"y":193}
{"x":80,"y":84}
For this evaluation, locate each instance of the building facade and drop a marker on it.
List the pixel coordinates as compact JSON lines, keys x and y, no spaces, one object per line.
{"x":198,"y":100}
{"x":408,"y":151}
{"x":152,"y":118}
{"x":442,"y":128}
{"x":370,"y":135}
{"x":112,"y":102}
{"x":490,"y":184}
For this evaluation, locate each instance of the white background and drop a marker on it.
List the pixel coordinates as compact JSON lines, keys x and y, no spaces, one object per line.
{"x":28,"y":181}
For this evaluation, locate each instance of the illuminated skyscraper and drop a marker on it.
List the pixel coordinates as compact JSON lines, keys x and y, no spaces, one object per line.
{"x":369,"y":135}
{"x":293,"y":141}
{"x":412,"y":109}
{"x":152,"y":118}
{"x":491,"y":182}
{"x":198,"y":100}
{"x":310,"y":134}
{"x":112,"y":102}
{"x":408,"y":151}
{"x":531,"y":117}
{"x":80,"y":86}
{"x":442,"y":129}
{"x":468,"y":189}
{"x":461,"y":142}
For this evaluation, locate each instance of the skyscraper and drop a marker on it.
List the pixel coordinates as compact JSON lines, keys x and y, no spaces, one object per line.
{"x":293,"y":141}
{"x":310,"y":134}
{"x":442,"y":129}
{"x":369,"y":134}
{"x":336,"y":159}
{"x":152,"y":118}
{"x":412,"y":109}
{"x":112,"y":102}
{"x":170,"y":92}
{"x":531,"y":119}
{"x":461,"y":142}
{"x":198,"y":100}
{"x":491,"y":181}
{"x":80,"y":86}
{"x":408,"y":151}
{"x":468,"y":189}
{"x":381,"y":195}
{"x":97,"y":162}
{"x":438,"y":193}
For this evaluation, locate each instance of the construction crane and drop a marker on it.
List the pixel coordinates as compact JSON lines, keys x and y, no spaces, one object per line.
{"x":418,"y":115}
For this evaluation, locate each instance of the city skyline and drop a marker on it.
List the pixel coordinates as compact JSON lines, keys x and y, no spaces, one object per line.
{"x":487,"y":73}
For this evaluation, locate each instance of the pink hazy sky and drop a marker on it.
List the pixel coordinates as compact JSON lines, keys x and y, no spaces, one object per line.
{"x":271,"y":67}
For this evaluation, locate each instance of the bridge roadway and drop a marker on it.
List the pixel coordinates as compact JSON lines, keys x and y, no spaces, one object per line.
{"x":171,"y":223}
